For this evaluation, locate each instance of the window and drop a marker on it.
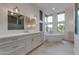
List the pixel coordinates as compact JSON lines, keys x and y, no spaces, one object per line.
{"x":48,"y":23}
{"x":45,"y":19}
{"x":50,"y":19}
{"x":61,"y":27}
{"x":61,"y":19}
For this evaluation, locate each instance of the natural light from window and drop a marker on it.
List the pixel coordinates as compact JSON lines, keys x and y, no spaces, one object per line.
{"x":61,"y":17}
{"x":61,"y":27}
{"x":48,"y":24}
{"x":50,"y":20}
{"x":52,"y":25}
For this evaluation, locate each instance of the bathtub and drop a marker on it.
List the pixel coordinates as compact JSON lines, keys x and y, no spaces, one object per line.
{"x":54,"y":37}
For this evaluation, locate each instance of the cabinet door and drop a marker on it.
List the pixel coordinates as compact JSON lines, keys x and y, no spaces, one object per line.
{"x":36,"y":40}
{"x":19,"y":48}
{"x":18,"y":51}
{"x":28,"y":44}
{"x":41,"y":37}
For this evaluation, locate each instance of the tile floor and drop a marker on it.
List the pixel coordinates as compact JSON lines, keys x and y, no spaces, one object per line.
{"x":57,"y":48}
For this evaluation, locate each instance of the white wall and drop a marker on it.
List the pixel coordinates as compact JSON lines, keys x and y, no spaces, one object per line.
{"x":55,"y":23}
{"x":76,"y":44}
{"x":27,"y":9}
{"x":69,"y":24}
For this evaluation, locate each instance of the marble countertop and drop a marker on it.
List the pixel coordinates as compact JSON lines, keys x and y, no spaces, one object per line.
{"x":17,"y":34}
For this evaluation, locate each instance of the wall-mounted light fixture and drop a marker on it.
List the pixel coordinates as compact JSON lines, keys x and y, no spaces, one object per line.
{"x":16,"y":9}
{"x":53,"y":8}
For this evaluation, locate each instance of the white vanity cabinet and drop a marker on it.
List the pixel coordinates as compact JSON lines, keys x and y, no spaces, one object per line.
{"x":28,"y":44}
{"x":37,"y":39}
{"x":11,"y":46}
{"x":21,"y":44}
{"x":21,"y":48}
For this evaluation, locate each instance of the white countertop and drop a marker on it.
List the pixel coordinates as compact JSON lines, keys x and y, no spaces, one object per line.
{"x":18,"y":34}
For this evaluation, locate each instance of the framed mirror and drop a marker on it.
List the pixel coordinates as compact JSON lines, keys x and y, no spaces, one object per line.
{"x":15,"y":21}
{"x":30,"y":22}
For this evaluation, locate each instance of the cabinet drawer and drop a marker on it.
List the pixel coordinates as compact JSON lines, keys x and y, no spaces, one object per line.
{"x":21,"y":42}
{"x":35,"y":35}
{"x":39,"y":35}
{"x":9,"y":46}
{"x":36,"y":41}
{"x":19,"y":51}
{"x":8,"y":39}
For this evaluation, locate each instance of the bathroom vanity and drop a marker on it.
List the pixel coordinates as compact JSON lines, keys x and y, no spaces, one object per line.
{"x":20,"y":44}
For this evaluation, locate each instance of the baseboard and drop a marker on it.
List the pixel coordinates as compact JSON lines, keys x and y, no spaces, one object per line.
{"x":69,"y":41}
{"x":76,"y":51}
{"x":35,"y":48}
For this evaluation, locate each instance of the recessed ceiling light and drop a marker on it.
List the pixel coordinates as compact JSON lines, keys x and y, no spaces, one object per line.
{"x":53,"y":8}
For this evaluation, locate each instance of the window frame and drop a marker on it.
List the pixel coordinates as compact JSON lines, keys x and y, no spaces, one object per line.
{"x":61,"y":22}
{"x":47,"y":23}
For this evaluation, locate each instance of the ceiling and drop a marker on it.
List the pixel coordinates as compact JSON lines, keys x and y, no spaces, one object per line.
{"x":59,"y":7}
